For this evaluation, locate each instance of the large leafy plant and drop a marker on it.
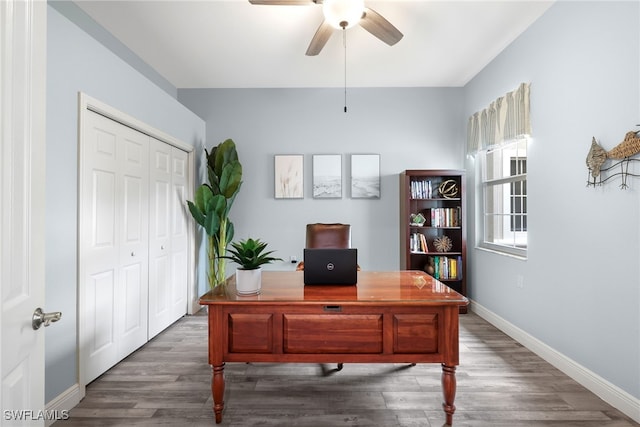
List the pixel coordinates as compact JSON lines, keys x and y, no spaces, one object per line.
{"x":249,"y":254}
{"x":213,"y":201}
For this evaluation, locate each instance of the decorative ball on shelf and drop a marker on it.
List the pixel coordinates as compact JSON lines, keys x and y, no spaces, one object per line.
{"x":442,"y":244}
{"x":448,"y":189}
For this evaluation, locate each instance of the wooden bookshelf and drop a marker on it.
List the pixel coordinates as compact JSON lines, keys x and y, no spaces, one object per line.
{"x":421,"y":192}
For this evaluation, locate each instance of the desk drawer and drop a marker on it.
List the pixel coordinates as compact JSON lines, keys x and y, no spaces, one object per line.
{"x":250,"y":333}
{"x":415,"y":333}
{"x":332,"y":333}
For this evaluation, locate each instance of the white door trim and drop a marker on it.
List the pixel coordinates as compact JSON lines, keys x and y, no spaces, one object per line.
{"x":87,"y":103}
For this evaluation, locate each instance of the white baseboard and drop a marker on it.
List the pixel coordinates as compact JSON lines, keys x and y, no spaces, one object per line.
{"x":194,"y":307}
{"x":65,"y":401}
{"x":610,"y":393}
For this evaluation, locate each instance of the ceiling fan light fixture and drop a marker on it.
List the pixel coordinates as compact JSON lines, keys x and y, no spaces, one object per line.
{"x":343,"y":14}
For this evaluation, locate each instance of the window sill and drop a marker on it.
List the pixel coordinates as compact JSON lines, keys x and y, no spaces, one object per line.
{"x":516,"y":254}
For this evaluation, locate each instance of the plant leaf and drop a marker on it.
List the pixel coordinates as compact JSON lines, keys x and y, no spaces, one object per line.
{"x":230,"y":231}
{"x":217,"y":205}
{"x":212,"y":225}
{"x":231,"y":179}
{"x":224,"y":154}
{"x":196,"y":213}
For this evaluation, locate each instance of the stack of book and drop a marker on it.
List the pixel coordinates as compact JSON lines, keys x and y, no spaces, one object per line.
{"x":445,"y":217}
{"x":418,"y":243}
{"x":447,"y":267}
{"x":421,"y":189}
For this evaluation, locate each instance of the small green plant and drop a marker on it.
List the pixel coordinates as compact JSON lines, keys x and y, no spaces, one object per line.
{"x":249,"y":254}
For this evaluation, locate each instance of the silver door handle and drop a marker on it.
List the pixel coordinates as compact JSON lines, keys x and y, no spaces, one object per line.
{"x":40,"y":318}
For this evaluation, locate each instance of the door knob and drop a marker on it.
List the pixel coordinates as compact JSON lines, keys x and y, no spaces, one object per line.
{"x":40,"y":317}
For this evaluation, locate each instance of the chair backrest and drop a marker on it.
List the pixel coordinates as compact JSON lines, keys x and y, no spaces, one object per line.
{"x":328,"y":236}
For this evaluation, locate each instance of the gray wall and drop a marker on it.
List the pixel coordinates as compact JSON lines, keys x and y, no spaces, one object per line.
{"x":408,"y":127}
{"x":76,"y":62}
{"x":581,"y":293}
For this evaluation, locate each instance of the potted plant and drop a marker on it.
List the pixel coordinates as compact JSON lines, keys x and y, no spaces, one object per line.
{"x":250,"y":256}
{"x":213,"y":201}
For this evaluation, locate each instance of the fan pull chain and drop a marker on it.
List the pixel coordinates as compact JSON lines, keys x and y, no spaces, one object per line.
{"x":344,"y":42}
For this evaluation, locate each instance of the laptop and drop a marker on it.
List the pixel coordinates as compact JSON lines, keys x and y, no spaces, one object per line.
{"x":330,"y":266}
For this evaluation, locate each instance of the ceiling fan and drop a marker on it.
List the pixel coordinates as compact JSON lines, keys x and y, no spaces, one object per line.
{"x":343,"y":14}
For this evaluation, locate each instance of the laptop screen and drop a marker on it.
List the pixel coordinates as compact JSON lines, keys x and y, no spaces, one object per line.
{"x":330,"y":266}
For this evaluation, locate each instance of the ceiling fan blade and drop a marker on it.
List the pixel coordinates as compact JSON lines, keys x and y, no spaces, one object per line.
{"x":373,"y":22}
{"x":320,"y":38}
{"x":283,"y":2}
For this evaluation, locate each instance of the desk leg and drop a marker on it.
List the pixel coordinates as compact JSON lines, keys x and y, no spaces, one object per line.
{"x":217,"y":391}
{"x":449,"y":391}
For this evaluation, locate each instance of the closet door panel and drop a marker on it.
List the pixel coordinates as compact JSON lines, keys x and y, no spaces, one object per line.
{"x":132,"y":322}
{"x":179,"y":236}
{"x":158,"y":290}
{"x":114,"y":246}
{"x":135,"y":240}
{"x":160,"y":280}
{"x":99,"y":304}
{"x":103,"y":207}
{"x":99,"y":247}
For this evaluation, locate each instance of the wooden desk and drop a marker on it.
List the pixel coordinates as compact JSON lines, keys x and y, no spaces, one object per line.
{"x":388,"y":317}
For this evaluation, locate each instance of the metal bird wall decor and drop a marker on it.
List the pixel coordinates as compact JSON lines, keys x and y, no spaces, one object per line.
{"x":623,"y":152}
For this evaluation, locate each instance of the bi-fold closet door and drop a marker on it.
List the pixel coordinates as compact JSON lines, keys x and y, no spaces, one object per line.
{"x":133,"y":241}
{"x":168,"y":239}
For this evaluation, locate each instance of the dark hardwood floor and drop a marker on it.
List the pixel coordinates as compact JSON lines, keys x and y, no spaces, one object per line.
{"x":500,"y":383}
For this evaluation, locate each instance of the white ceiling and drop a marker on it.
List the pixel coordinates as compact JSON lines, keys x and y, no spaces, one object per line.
{"x":233,"y":44}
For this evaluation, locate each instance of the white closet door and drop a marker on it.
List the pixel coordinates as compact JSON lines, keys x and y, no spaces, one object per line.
{"x":179,"y":233}
{"x":134,"y":239}
{"x":114,"y":242}
{"x":168,"y":239}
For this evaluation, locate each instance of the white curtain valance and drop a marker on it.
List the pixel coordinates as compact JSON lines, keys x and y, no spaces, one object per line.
{"x":506,"y":118}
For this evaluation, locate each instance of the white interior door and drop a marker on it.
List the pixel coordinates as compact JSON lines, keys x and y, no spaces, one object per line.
{"x":168,"y":240}
{"x":113,"y":243}
{"x":22,"y":200}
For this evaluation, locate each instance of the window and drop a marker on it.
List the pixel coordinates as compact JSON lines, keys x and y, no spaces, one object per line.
{"x":504,"y":196}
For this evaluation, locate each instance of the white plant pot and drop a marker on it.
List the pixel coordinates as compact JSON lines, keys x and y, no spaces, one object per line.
{"x":248,"y":282}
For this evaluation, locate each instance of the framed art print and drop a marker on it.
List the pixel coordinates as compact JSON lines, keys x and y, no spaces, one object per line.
{"x":327,"y":176}
{"x":365,"y":176}
{"x":289,"y":177}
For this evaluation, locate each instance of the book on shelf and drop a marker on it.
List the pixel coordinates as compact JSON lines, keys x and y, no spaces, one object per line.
{"x":418,"y":243}
{"x":447,"y":268}
{"x":445,"y":217}
{"x":423,"y":243}
{"x":421,"y":189}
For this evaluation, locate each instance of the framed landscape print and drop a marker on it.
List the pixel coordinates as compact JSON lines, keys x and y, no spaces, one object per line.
{"x":365,"y":176}
{"x":327,"y":176}
{"x":289,"y":177}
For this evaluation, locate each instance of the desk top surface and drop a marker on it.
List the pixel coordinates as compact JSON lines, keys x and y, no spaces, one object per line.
{"x":402,"y":287}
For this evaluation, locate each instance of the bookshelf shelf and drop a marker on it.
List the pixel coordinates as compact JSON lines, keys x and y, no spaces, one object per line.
{"x":445,"y":216}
